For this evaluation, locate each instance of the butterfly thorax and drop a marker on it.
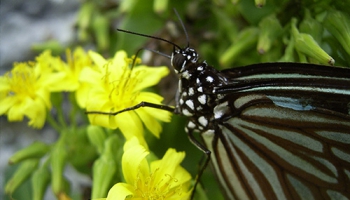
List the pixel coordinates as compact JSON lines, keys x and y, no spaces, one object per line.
{"x":197,"y":80}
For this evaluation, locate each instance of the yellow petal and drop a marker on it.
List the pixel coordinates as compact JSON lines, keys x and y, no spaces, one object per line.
{"x":4,"y":85}
{"x":82,"y":94}
{"x":101,"y":120}
{"x":159,"y":114}
{"x":120,"y":191}
{"x":15,"y":113}
{"x":182,"y":175}
{"x":6,"y":103}
{"x":150,"y":122}
{"x":169,"y":162}
{"x":36,"y":112}
{"x":97,"y":58}
{"x":130,"y":125}
{"x":119,"y":58}
{"x":44,"y":95}
{"x":134,"y":164}
{"x":149,"y":76}
{"x":89,"y":75}
{"x":149,"y":97}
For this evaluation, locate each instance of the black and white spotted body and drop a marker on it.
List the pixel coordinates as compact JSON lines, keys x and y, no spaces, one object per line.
{"x":255,"y":120}
{"x":197,"y":82}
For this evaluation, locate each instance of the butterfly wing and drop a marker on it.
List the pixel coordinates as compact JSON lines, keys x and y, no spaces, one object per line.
{"x":271,"y":152}
{"x":286,"y":140}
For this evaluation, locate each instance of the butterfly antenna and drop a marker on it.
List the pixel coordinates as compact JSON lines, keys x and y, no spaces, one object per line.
{"x":154,"y":51}
{"x":183,"y":27}
{"x":149,"y":36}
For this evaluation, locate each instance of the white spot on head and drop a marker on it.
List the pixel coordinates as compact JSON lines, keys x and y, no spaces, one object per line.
{"x":184,"y":94}
{"x":200,"y":89}
{"x":199,"y":108}
{"x":181,"y":101}
{"x":200,"y":68}
{"x":186,"y":75}
{"x":190,"y":91}
{"x":190,"y":104}
{"x":186,"y":113}
{"x":202,"y":99}
{"x":209,"y":79}
{"x":219,"y":110}
{"x":203,"y":121}
{"x":188,"y":57}
{"x":198,"y":81}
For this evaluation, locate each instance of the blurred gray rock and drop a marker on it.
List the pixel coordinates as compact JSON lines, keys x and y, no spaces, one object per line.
{"x":23,"y":23}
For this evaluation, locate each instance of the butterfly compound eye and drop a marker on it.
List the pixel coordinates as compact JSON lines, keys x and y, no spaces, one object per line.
{"x":181,"y":58}
{"x":178,"y":61}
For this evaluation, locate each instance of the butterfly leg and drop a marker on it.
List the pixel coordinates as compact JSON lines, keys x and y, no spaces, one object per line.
{"x":205,"y":151}
{"x":140,"y":105}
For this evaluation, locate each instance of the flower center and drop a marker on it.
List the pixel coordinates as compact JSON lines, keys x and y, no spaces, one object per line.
{"x":123,"y":92}
{"x":21,"y":80}
{"x":152,"y":189}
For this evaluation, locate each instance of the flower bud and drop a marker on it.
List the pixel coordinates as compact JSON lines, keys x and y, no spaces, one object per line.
{"x":84,"y":20}
{"x":35,"y":150}
{"x":100,"y":26}
{"x":81,"y":152}
{"x":40,"y":180}
{"x":311,"y":26}
{"x":22,"y":173}
{"x":97,"y":137}
{"x":58,"y":161}
{"x":338,"y":24}
{"x":270,"y":30}
{"x":104,"y":169}
{"x":245,"y":39}
{"x":288,"y":53}
{"x":55,"y":46}
{"x":306,"y":44}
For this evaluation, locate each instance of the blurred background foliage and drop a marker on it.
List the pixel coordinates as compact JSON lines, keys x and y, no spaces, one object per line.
{"x":226,"y":33}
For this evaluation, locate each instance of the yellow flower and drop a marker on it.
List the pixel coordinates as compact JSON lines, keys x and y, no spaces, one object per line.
{"x":49,"y":66}
{"x":114,"y":86}
{"x":160,"y":179}
{"x":76,"y":62}
{"x":25,"y":90}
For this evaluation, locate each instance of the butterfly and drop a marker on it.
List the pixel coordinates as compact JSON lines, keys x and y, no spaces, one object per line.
{"x":271,"y":130}
{"x":274,"y":130}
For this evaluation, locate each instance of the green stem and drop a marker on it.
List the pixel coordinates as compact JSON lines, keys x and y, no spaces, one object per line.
{"x":74,"y":109}
{"x":53,"y":123}
{"x":60,"y":116}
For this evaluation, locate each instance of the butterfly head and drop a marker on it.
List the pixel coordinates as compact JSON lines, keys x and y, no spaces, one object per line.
{"x":182,"y":57}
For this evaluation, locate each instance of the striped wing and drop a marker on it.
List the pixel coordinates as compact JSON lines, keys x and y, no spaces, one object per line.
{"x":284,"y":137}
